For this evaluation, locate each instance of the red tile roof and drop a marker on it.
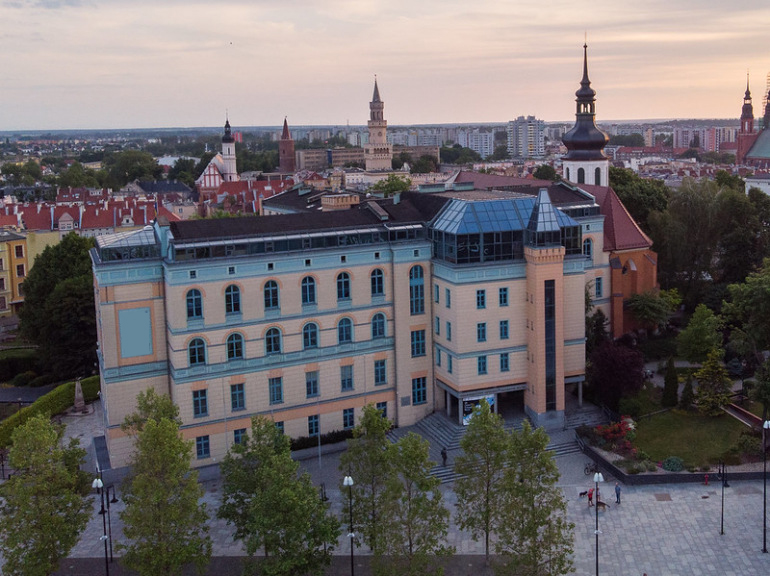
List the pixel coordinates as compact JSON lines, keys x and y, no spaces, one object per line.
{"x":621,"y":232}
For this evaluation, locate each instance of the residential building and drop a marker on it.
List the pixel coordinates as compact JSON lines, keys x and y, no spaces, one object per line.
{"x":526,"y":137}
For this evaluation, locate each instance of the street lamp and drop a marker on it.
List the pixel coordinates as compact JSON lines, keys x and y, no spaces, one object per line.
{"x":765,"y":428}
{"x":97,"y":485}
{"x":722,"y":476}
{"x":348,"y":481}
{"x":597,"y":478}
{"x":109,"y":500}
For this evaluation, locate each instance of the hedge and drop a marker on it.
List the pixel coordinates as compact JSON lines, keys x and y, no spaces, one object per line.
{"x":25,"y":361}
{"x":55,"y":402}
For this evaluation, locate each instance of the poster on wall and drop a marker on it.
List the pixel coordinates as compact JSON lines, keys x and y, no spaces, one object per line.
{"x":470,"y":403}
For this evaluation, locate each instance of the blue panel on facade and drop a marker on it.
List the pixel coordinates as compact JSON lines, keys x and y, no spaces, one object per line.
{"x":135,"y":332}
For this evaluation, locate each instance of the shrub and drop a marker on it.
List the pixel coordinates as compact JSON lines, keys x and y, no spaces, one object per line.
{"x":642,"y":455}
{"x":750,"y":445}
{"x":651,"y":466}
{"x":43,"y":380}
{"x":630,"y":406}
{"x":312,"y":441}
{"x":23,"y":378}
{"x":21,"y":361}
{"x":673,"y":464}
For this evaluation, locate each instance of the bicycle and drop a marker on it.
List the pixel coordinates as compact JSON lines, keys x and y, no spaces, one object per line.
{"x":590,"y":468}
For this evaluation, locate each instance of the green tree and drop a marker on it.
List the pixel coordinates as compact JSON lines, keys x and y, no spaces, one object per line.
{"x":414,"y":521}
{"x":77,"y":176}
{"x":670,"y":385}
{"x":183,"y":170}
{"x":43,"y":507}
{"x":273,"y":508}
{"x":546,"y":172}
{"x":650,"y":309}
{"x":150,"y":406}
{"x":761,"y":392}
{"x":640,"y":196}
{"x":741,"y":236}
{"x":367,"y":461}
{"x":615,"y":372}
{"x":481,"y":466}
{"x":687,"y":399}
{"x":701,"y":335}
{"x":746,"y":312}
{"x":713,"y":385}
{"x":500,"y":153}
{"x":392,"y":185}
{"x":164,"y":522}
{"x":636,"y":140}
{"x":58,"y":313}
{"x":534,"y":536}
{"x":458,"y":155}
{"x":130,"y":165}
{"x":425,"y":164}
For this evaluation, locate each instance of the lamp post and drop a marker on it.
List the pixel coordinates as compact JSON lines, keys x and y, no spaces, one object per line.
{"x":348,"y":481}
{"x":721,"y":475}
{"x":97,"y":485}
{"x":109,"y":500}
{"x":765,"y":428}
{"x":597,"y":478}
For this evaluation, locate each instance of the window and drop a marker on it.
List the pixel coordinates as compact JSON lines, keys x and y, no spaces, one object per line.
{"x":2,"y":264}
{"x":231,"y":270}
{"x":313,"y":425}
{"x":481,"y":299}
{"x":232,"y":300}
{"x":271,"y":295}
{"x":380,"y":372}
{"x":279,"y":425}
{"x":598,"y":286}
{"x":383,"y":408}
{"x":193,"y":274}
{"x":588,"y":248}
{"x":194,"y":304}
{"x":505,"y":362}
{"x":436,"y":291}
{"x":481,"y":332}
{"x":598,"y":176}
{"x":378,"y":326}
{"x":196,"y":352}
{"x":275,"y":388}
{"x":438,"y":357}
{"x":438,"y":326}
{"x":348,"y":418}
{"x":202,"y":447}
{"x":3,"y":303}
{"x":239,"y":436}
{"x":310,"y":336}
{"x":419,"y":390}
{"x":235,"y":347}
{"x":311,"y":384}
{"x":581,"y":176}
{"x":200,"y":403}
{"x":449,"y":364}
{"x":237,"y":397}
{"x":448,"y":298}
{"x":504,"y":332}
{"x":273,"y":341}
{"x":482,"y":365}
{"x":502,"y":296}
{"x":2,"y":283}
{"x":418,"y":343}
{"x":343,"y":286}
{"x":19,"y":251}
{"x":346,"y":378}
{"x":308,"y":291}
{"x":449,"y":331}
{"x":378,"y":283}
{"x":345,"y":331}
{"x":416,"y":291}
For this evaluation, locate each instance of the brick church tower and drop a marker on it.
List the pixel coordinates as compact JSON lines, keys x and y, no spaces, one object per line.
{"x":286,"y":163}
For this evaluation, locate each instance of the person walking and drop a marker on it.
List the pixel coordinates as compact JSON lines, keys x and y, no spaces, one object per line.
{"x":443,"y":456}
{"x":590,"y":497}
{"x":617,"y":493}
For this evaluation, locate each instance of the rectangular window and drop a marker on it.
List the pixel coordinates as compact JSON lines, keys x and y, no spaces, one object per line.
{"x":449,"y":331}
{"x":481,"y":332}
{"x":438,"y":326}
{"x":448,"y":298}
{"x":313,"y":425}
{"x":382,"y":407}
{"x":504,"y":332}
{"x":237,"y":397}
{"x":482,"y":365}
{"x":346,"y":378}
{"x":3,"y":303}
{"x":348,"y":418}
{"x":2,"y":264}
{"x":200,"y":403}
{"x":19,"y":251}
{"x":503,"y":296}
{"x":419,"y":390}
{"x":436,"y":291}
{"x":239,"y":436}
{"x":438,"y":357}
{"x":481,"y":299}
{"x":598,"y":286}
{"x":275,"y":386}
{"x":279,"y":425}
{"x":2,"y":283}
{"x":449,"y":363}
{"x":311,"y":384}
{"x":380,"y":372}
{"x":20,"y":271}
{"x":418,"y":343}
{"x":202,"y":447}
{"x":505,"y":362}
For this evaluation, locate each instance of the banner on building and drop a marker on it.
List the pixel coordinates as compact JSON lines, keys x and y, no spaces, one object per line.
{"x":470,"y":403}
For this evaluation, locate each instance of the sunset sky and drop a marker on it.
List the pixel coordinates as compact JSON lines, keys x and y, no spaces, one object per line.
{"x":67,"y":64}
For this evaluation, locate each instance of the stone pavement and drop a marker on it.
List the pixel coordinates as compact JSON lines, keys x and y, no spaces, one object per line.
{"x":666,"y":529}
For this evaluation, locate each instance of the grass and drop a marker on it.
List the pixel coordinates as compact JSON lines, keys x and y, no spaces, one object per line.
{"x":696,"y":439}
{"x":18,"y":353}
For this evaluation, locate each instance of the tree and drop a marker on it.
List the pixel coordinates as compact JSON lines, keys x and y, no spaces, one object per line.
{"x":635,"y":140}
{"x":480,"y":467}
{"x":183,"y":170}
{"x":425,"y":165}
{"x":761,"y":393}
{"x":130,"y":165}
{"x":77,"y":176}
{"x":274,"y":509}
{"x":616,"y":372}
{"x":714,"y":385}
{"x":650,"y":309}
{"x":414,"y":521}
{"x":367,"y":461}
{"x":546,"y":172}
{"x":150,"y":406}
{"x":164,"y":522}
{"x":701,"y":335}
{"x":392,"y":185}
{"x":534,"y":536}
{"x":59,"y":313}
{"x":500,"y":153}
{"x":458,"y":155}
{"x":670,"y":385}
{"x":746,"y":312}
{"x":43,"y":507}
{"x":688,"y":395}
{"x":640,"y":196}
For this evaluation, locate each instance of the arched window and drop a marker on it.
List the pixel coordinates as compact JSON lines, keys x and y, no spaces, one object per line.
{"x":271,"y":295}
{"x":378,"y":326}
{"x":581,"y":176}
{"x":345,"y":331}
{"x":588,"y":248}
{"x":310,"y":336}
{"x":598,"y":176}
{"x":196,"y":352}
{"x":378,"y":282}
{"x":235,"y":347}
{"x":194,"y":304}
{"x":416,"y":291}
{"x":343,"y":286}
{"x":232,"y":299}
{"x":567,"y":176}
{"x":308,"y":290}
{"x":273,"y":341}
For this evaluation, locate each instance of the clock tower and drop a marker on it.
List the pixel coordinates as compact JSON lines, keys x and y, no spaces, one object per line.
{"x":378,"y":153}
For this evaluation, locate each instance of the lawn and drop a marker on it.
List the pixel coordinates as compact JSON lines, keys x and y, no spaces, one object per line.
{"x":696,"y":439}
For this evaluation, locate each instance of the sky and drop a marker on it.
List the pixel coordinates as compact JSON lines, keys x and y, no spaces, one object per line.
{"x":109,"y":64}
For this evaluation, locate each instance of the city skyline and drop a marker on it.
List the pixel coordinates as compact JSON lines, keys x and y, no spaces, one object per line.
{"x":102,"y":64}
